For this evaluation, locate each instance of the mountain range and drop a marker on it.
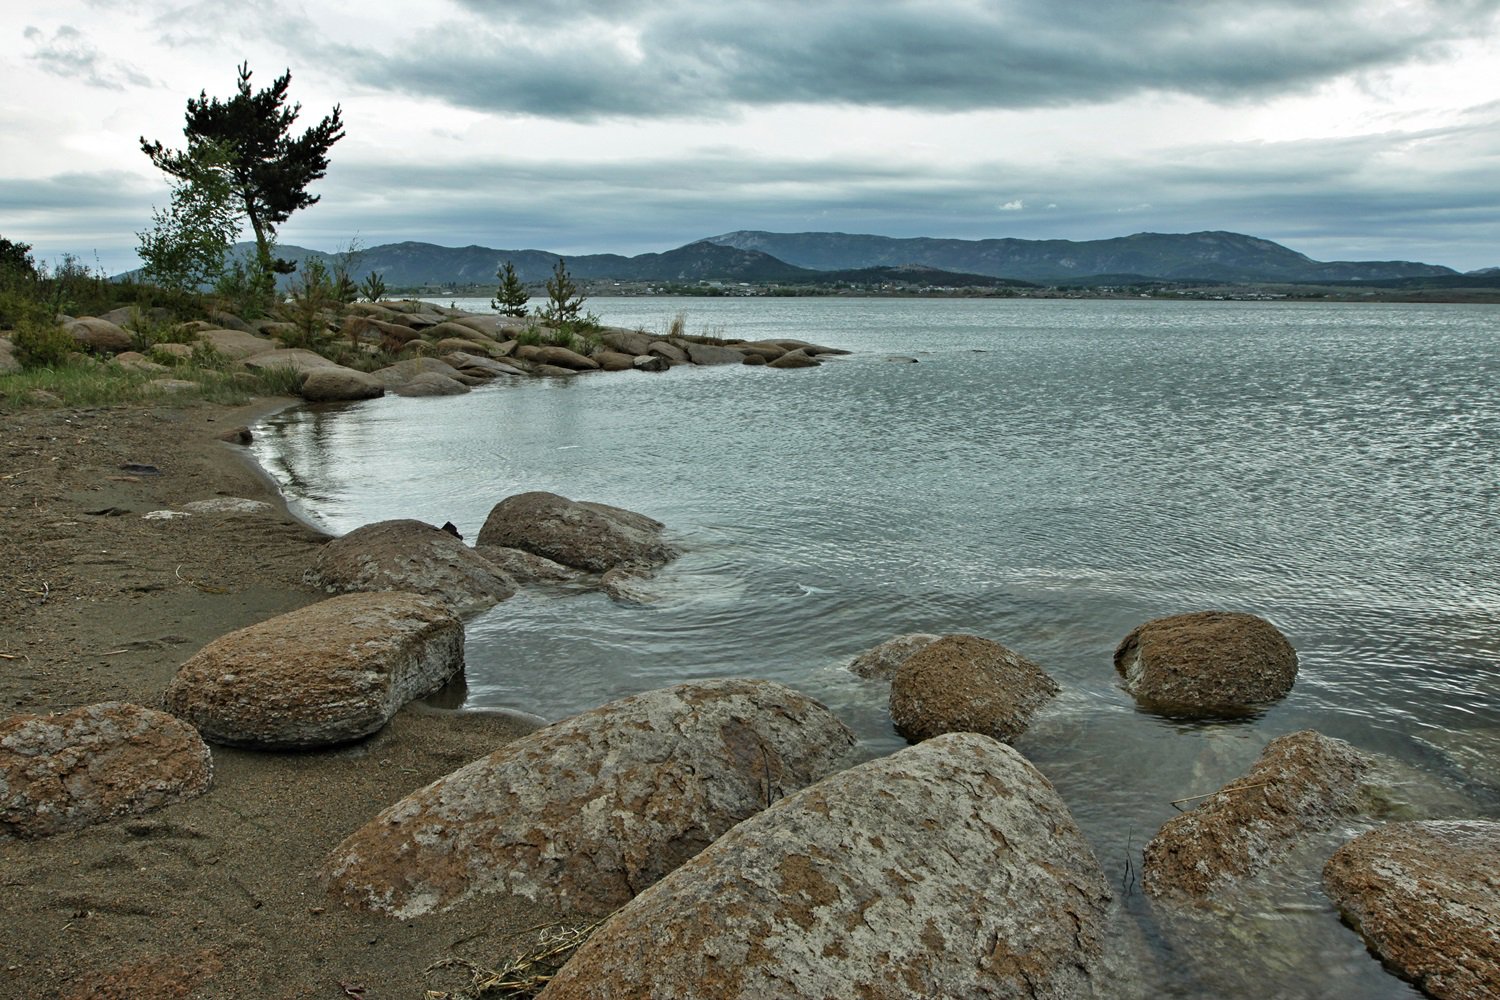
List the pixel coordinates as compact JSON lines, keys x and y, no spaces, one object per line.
{"x":757,"y":257}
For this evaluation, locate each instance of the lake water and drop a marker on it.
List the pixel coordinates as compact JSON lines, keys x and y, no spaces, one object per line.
{"x":1048,"y":475}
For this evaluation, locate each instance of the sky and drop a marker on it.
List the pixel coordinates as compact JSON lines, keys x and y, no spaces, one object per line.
{"x":1344,"y":129}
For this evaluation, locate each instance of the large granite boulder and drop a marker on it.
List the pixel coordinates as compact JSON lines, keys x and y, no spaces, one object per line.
{"x":93,"y":764}
{"x":589,"y":536}
{"x":473,"y":364}
{"x":527,"y":567}
{"x":962,"y":683}
{"x":881,"y":662}
{"x":338,"y":384}
{"x":1206,"y":663}
{"x":632,"y":342}
{"x":99,"y":335}
{"x":949,"y":869}
{"x":414,"y":557}
{"x":409,"y":369}
{"x":321,"y":675}
{"x":429,"y":384}
{"x":587,"y":812}
{"x":296,"y":358}
{"x":1303,"y":782}
{"x":1425,"y":897}
{"x":557,"y":357}
{"x":712,"y":354}
{"x":794,"y":359}
{"x":237,"y":344}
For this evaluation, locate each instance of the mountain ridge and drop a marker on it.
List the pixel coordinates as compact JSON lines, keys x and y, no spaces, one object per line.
{"x":758,"y":257}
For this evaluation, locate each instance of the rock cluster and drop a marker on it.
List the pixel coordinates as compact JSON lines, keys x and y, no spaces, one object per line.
{"x":962,"y":683}
{"x":95,"y":763}
{"x":1425,"y":896}
{"x":321,"y":675}
{"x":1206,"y":663}
{"x":950,"y":869}
{"x":587,"y":812}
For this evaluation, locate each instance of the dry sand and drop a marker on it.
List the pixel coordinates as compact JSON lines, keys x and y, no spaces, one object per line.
{"x":218,"y":897}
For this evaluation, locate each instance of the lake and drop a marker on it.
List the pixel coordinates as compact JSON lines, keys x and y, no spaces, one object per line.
{"x":1048,"y":474}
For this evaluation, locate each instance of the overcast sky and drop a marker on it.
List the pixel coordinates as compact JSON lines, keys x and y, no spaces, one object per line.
{"x":1345,"y":129}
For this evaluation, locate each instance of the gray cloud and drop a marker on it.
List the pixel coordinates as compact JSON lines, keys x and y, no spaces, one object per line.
{"x":67,"y":53}
{"x":680,"y":58}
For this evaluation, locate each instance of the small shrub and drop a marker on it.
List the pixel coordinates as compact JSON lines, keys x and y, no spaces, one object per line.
{"x":678,"y":326}
{"x":512,"y":296}
{"x":564,"y":300}
{"x":373,"y":288}
{"x":40,"y":344}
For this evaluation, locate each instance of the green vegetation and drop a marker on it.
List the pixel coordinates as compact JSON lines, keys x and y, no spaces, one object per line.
{"x":512,"y":296}
{"x":373,"y":288}
{"x":185,"y":247}
{"x":564,"y":300}
{"x":266,"y":169}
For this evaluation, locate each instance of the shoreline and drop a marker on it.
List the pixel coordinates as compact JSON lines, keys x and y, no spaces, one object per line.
{"x":217,"y":896}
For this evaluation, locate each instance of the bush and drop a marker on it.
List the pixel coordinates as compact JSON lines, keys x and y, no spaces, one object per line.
{"x":40,"y":344}
{"x":511,"y":297}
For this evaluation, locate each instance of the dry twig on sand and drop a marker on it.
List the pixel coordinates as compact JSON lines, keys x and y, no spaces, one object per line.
{"x":521,"y":976}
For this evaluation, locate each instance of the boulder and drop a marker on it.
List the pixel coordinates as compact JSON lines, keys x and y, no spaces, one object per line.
{"x":406,"y":370}
{"x":1303,"y":782}
{"x":558,"y":357}
{"x":650,"y":363}
{"x":585,"y":813}
{"x":794,"y":359}
{"x":811,"y":350}
{"x":137,"y":362}
{"x":460,"y":331}
{"x":766,"y":352}
{"x":713,"y":354}
{"x":949,"y":869}
{"x":324,"y":674}
{"x":1206,"y":663}
{"x":295,"y":358}
{"x":589,"y":536}
{"x":632,"y":342}
{"x":431,"y":384}
{"x":174,"y":352}
{"x":414,"y":557}
{"x":229,"y":321}
{"x":99,"y":335}
{"x":93,"y":764}
{"x":962,"y":683}
{"x":237,"y":344}
{"x":525,"y":567}
{"x":614,"y":361}
{"x":492,"y":327}
{"x":473,"y":364}
{"x":8,"y":362}
{"x":881,"y":662}
{"x":468,"y":345}
{"x":1425,"y":897}
{"x":670,"y":350}
{"x":334,"y":384}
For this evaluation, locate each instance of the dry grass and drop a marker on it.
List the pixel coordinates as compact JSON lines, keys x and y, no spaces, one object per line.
{"x":523,"y":975}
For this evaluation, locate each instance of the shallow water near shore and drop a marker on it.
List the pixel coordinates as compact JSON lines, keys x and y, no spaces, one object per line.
{"x":1048,"y":474}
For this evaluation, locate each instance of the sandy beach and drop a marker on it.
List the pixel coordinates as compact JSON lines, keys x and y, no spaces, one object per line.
{"x":216,"y":897}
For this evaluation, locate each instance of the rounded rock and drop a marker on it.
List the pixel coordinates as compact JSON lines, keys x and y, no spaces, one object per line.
{"x":1206,"y":663}
{"x":962,"y":683}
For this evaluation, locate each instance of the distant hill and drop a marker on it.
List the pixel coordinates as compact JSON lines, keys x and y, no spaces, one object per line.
{"x":413,"y":265}
{"x":755,"y":257}
{"x":1206,"y":256}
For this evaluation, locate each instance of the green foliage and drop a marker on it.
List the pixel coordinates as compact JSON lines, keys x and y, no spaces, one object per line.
{"x":564,"y":300}
{"x":185,"y":247}
{"x":42,"y":344}
{"x":373,"y":288}
{"x":270,"y":170}
{"x":246,"y":288}
{"x":512,"y":296}
{"x":314,"y":295}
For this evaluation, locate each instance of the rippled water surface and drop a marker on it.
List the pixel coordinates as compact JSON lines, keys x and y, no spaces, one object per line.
{"x":1049,"y":474}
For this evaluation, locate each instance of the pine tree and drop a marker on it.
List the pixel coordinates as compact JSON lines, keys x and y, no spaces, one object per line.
{"x":564,"y":300}
{"x":268,"y":170}
{"x":512,"y":296}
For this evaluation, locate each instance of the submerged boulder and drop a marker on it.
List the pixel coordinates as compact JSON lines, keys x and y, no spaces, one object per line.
{"x":587,"y":812}
{"x":588,"y":536}
{"x":962,"y":683}
{"x":1425,"y":896}
{"x":1206,"y":663}
{"x":949,"y":869}
{"x":324,"y":674}
{"x":1302,"y":782}
{"x":414,"y":557}
{"x":881,"y":662}
{"x":93,"y":764}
